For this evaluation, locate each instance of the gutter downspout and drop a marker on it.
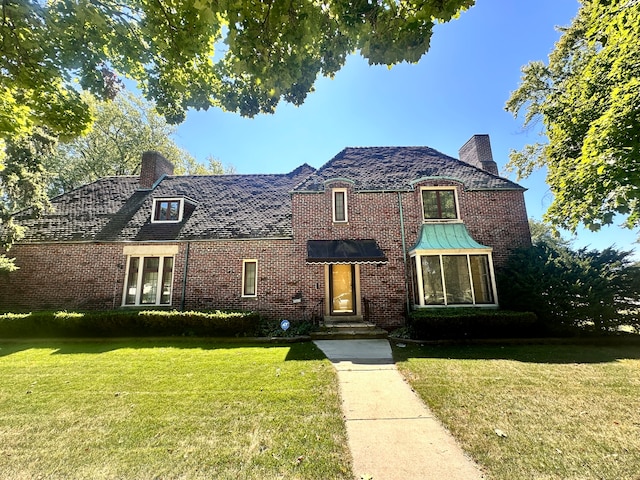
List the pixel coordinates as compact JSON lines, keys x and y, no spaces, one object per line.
{"x":404,"y":253}
{"x":185,"y":270}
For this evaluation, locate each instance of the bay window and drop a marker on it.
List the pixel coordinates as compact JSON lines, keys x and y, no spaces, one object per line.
{"x":454,"y":279}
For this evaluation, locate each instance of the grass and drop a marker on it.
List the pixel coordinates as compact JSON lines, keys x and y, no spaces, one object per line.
{"x":178,"y":409}
{"x":536,"y":412}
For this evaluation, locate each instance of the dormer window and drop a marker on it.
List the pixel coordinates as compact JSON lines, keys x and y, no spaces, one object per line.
{"x":167,"y":210}
{"x":439,"y":204}
{"x":340,"y":205}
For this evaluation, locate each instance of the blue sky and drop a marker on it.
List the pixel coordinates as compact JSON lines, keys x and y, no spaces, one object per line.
{"x":458,"y":89}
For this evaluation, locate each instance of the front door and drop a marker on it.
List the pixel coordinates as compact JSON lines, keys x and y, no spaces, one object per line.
{"x":342,"y":291}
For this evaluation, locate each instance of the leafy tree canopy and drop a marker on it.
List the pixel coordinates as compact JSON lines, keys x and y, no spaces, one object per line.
{"x":588,"y":99}
{"x":122,"y":129}
{"x":242,"y":56}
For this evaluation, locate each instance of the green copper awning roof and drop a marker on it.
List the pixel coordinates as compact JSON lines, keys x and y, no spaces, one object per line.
{"x":446,"y":236}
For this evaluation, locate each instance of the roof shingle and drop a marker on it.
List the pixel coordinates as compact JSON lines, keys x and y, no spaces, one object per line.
{"x":396,"y":168}
{"x":238,"y":206}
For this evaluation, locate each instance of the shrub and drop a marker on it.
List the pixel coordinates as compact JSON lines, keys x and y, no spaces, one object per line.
{"x":135,"y":323}
{"x":582,"y":290}
{"x":272,"y":328}
{"x":450,"y":323}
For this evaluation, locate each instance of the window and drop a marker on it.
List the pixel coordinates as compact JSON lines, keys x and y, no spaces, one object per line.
{"x":249,"y":278}
{"x":454,"y":280}
{"x":439,"y":204}
{"x":167,"y":210}
{"x":340,"y":205}
{"x":149,"y":280}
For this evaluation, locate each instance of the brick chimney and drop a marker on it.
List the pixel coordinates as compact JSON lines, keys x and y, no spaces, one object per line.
{"x":477,"y":152}
{"x":154,"y":165}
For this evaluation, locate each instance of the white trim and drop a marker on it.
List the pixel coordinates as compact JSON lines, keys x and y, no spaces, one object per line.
{"x":159,"y":285}
{"x":452,"y":251}
{"x":456,"y":206}
{"x":150,"y":250}
{"x":156,"y":201}
{"x":244,"y":276}
{"x":419,"y":280}
{"x":466,"y":253}
{"x":333,"y":205}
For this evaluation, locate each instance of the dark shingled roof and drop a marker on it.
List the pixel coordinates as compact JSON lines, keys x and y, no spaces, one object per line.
{"x":237,"y":206}
{"x":81,"y":214}
{"x":216,"y":207}
{"x":395,"y":168}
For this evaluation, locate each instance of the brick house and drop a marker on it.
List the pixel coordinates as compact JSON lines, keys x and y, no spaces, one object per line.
{"x":371,"y":233}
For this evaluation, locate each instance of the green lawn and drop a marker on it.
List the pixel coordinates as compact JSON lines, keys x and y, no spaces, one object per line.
{"x":536,"y":412}
{"x":187,"y":409}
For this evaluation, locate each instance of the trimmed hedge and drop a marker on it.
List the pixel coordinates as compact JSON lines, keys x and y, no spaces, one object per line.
{"x":130,"y":323}
{"x":454,"y":324}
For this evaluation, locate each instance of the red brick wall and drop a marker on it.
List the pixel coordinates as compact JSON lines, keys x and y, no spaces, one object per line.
{"x":59,"y":276}
{"x":494,"y":218}
{"x":371,"y":216}
{"x":215,"y":277}
{"x":497,"y":219}
{"x":91,"y":276}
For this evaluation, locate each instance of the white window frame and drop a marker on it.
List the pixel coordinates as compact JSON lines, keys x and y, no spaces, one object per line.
{"x":418,"y":269}
{"x":156,"y":203}
{"x":440,"y":220}
{"x":244,"y":278}
{"x":139,"y":285}
{"x":343,"y":191}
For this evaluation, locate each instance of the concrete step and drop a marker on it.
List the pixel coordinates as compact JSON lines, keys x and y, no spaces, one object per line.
{"x":348,"y":330}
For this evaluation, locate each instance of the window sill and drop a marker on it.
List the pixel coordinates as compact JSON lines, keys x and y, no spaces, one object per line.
{"x":442,"y":220}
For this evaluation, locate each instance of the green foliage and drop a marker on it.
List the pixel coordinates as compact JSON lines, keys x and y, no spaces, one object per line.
{"x":241,"y":56}
{"x":128,"y":323}
{"x":272,"y":328}
{"x":22,"y":184}
{"x":122,"y":129}
{"x":469,"y":323}
{"x":588,"y":98}
{"x":569,"y":290}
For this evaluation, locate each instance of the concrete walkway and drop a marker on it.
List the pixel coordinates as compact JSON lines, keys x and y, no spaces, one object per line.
{"x":392,"y":434}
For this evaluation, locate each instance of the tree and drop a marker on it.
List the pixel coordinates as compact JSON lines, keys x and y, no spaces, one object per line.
{"x":22,"y":185}
{"x":588,"y":99}
{"x":238,"y":55}
{"x":123,"y":128}
{"x":572,"y":289}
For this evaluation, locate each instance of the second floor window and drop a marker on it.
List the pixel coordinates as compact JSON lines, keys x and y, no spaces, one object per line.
{"x":439,"y":204}
{"x":340,"y":205}
{"x":167,"y":210}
